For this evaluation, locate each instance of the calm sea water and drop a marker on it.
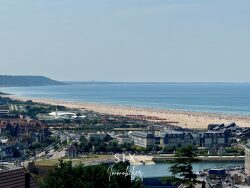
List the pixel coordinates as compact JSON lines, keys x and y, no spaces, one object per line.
{"x":162,"y":169}
{"x":210,"y":97}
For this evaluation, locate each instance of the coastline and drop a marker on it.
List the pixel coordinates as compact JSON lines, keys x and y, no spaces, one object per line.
{"x":192,"y":120}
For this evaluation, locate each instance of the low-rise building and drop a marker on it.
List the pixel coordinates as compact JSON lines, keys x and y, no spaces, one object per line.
{"x":71,"y":151}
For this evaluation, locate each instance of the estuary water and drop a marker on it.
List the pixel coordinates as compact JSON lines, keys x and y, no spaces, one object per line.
{"x":162,"y":169}
{"x":229,"y":98}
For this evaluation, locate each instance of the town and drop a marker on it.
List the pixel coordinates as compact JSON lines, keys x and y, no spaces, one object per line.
{"x":36,"y":135}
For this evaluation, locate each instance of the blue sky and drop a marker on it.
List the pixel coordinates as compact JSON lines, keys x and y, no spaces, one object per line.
{"x":127,"y":40}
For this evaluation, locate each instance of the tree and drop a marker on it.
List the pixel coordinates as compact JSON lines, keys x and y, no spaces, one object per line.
{"x":169,"y":149}
{"x":79,"y":176}
{"x":15,"y":152}
{"x":107,"y":138}
{"x":182,"y":169}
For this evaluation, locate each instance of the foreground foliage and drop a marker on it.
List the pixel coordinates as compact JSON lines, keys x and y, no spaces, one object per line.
{"x":65,"y":175}
{"x":182,"y":169}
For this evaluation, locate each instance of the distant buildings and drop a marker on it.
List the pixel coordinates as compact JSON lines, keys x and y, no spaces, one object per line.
{"x":204,"y":139}
{"x":247,"y":159}
{"x":215,"y":139}
{"x":123,"y":139}
{"x":208,"y":139}
{"x":65,"y":115}
{"x":71,"y":151}
{"x":21,"y":134}
{"x":232,"y":129}
{"x":143,"y":139}
{"x":17,"y":127}
{"x":95,"y":136}
{"x":178,"y":138}
{"x":4,"y":109}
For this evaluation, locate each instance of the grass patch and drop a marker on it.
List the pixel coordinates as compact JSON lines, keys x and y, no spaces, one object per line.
{"x":85,"y":159}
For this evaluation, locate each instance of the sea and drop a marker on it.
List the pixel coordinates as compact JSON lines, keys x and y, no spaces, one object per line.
{"x":225,"y":98}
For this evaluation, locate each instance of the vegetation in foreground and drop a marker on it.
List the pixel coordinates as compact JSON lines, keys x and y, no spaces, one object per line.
{"x":182,"y":170}
{"x":66,"y":175}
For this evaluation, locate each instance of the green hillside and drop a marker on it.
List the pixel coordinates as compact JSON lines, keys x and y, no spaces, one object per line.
{"x":15,"y":81}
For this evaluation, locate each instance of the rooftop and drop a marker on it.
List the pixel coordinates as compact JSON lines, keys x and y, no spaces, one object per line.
{"x":17,"y":178}
{"x":4,"y":107}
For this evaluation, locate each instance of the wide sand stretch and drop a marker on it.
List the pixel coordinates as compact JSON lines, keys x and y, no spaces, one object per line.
{"x":198,"y":120}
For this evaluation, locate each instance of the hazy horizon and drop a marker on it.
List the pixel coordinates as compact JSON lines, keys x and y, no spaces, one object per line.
{"x":135,"y":82}
{"x":127,"y":41}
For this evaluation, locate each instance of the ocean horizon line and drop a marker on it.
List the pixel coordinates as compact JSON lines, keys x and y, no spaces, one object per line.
{"x":135,"y":82}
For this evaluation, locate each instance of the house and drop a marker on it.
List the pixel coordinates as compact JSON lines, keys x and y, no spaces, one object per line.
{"x":71,"y":151}
{"x":17,"y":127}
{"x":18,"y":178}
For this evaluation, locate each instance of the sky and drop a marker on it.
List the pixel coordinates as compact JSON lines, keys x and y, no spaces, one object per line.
{"x":126,"y":40}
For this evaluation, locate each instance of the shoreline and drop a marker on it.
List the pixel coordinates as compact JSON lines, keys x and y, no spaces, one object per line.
{"x":165,"y":159}
{"x":141,"y":159}
{"x":185,"y":119}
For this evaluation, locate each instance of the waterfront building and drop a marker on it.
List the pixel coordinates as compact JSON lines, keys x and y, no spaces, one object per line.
{"x":204,"y":139}
{"x":247,"y":159}
{"x":178,"y":138}
{"x":143,"y":139}
{"x":214,"y":139}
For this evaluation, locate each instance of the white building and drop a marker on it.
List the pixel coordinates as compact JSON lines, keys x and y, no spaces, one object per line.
{"x":143,"y":139}
{"x":122,"y":139}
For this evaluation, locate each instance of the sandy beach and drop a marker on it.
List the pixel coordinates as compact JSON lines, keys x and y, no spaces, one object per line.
{"x":196,"y":120}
